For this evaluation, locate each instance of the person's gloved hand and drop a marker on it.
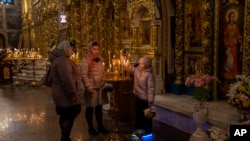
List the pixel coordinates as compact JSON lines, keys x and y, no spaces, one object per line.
{"x":108,"y":87}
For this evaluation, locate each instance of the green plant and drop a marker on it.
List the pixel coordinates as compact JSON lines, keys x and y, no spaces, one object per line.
{"x":202,"y":93}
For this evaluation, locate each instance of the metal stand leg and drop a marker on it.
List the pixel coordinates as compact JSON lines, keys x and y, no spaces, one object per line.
{"x":115,"y":136}
{"x":17,"y":82}
{"x":34,"y":83}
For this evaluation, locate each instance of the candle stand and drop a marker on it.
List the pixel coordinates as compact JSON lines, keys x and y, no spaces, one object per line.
{"x":116,"y":82}
{"x":34,"y":82}
{"x":21,"y":55}
{"x":17,"y":82}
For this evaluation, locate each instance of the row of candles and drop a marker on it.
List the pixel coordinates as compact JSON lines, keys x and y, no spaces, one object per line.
{"x":117,"y":67}
{"x":23,"y":53}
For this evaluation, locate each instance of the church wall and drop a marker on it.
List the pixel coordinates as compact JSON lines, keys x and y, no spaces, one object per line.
{"x":178,"y":52}
{"x":200,"y":42}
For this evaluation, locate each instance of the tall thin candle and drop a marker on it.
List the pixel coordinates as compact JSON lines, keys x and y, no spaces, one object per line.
{"x":109,"y":57}
{"x":103,"y":65}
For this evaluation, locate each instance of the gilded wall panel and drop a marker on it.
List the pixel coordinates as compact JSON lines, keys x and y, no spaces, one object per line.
{"x":198,"y":32}
{"x":193,"y":24}
{"x":179,"y":70}
{"x":192,"y":64}
{"x":246,"y":43}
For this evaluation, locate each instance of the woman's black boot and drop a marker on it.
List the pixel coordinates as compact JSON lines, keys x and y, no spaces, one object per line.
{"x":98,"y":116}
{"x":89,"y":118}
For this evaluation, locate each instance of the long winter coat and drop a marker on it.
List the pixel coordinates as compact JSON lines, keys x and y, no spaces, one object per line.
{"x":144,"y":83}
{"x":66,"y":83}
{"x":92,"y":78}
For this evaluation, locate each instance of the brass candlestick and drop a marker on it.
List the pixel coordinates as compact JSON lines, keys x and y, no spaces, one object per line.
{"x":34,"y":83}
{"x":17,"y":82}
{"x":116,"y":82}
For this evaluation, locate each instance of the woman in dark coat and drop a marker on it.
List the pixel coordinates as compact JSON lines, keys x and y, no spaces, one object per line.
{"x":66,"y":85}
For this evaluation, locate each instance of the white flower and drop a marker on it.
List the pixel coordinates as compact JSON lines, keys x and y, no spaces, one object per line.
{"x":217,"y":134}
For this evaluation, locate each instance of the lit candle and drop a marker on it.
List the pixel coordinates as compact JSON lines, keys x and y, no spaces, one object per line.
{"x":128,"y":68}
{"x":110,"y":69}
{"x":119,"y":67}
{"x":123,"y":65}
{"x":109,"y":57}
{"x":121,"y":55}
{"x":103,"y":65}
{"x":128,"y":57}
{"x":113,"y":66}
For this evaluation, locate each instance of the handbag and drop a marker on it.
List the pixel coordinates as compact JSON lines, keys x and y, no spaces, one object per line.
{"x":47,"y":79}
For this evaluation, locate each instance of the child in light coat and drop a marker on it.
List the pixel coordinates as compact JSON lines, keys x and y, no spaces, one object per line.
{"x":144,"y":91}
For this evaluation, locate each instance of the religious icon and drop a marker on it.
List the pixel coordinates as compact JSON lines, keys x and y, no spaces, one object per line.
{"x":194,"y":22}
{"x":232,"y":40}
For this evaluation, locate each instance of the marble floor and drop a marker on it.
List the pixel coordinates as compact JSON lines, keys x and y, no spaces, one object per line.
{"x":28,"y":114}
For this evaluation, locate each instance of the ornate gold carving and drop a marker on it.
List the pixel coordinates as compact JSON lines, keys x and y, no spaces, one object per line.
{"x":216,"y":46}
{"x":154,"y":36}
{"x":144,"y":31}
{"x":136,"y":5}
{"x":193,"y":25}
{"x":192,"y":64}
{"x":207,"y":36}
{"x":246,"y":43}
{"x":135,"y":36}
{"x":179,"y":42}
{"x":6,"y":72}
{"x":205,"y":12}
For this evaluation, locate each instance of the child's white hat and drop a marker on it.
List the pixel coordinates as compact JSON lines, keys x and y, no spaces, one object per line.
{"x":147,"y":60}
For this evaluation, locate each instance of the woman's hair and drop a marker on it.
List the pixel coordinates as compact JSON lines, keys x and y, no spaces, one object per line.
{"x":65,"y":46}
{"x":94,"y":43}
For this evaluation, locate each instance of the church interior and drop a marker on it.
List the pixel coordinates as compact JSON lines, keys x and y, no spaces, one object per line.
{"x":199,"y":49}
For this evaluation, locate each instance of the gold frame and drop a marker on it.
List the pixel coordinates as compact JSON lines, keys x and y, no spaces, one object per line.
{"x":246,"y":40}
{"x":147,"y":17}
{"x":196,"y":60}
{"x":189,"y":31}
{"x":182,"y":46}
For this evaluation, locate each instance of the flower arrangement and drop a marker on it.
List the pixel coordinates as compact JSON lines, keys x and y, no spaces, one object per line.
{"x":201,"y":82}
{"x":216,"y":134}
{"x":239,"y":92}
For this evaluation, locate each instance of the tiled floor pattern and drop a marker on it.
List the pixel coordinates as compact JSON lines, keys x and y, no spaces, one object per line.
{"x":28,"y":114}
